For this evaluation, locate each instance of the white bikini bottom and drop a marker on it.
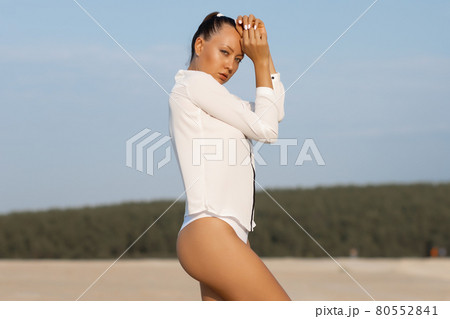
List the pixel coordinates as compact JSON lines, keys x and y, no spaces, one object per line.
{"x":238,"y":228}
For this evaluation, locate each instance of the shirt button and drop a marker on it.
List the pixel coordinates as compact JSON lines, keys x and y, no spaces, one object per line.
{"x":273,"y":77}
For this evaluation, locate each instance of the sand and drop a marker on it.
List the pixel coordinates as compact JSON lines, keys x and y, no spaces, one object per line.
{"x":165,"y":279}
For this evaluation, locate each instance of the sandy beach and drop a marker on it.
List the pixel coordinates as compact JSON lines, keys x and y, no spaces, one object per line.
{"x":165,"y":279}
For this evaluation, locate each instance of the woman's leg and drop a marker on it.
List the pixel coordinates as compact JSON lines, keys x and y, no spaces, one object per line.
{"x":210,"y":251}
{"x":208,"y":294}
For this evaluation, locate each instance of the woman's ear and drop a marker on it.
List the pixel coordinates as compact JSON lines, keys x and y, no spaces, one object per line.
{"x":198,"y":46}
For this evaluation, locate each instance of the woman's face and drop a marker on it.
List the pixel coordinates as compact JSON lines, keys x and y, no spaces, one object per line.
{"x":220,"y":55}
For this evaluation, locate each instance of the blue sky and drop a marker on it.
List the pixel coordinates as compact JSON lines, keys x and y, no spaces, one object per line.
{"x":376,"y":104}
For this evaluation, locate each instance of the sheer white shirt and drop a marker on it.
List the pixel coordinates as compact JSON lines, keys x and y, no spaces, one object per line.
{"x":211,"y":131}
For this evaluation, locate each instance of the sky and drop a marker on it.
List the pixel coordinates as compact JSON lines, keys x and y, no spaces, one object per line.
{"x":375,"y":104}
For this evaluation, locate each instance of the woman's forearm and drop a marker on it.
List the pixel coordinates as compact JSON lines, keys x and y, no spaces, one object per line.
{"x":262,"y":77}
{"x":271,"y":65}
{"x":262,"y":73}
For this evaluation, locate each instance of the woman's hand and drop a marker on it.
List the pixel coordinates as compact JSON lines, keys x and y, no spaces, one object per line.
{"x":253,"y":38}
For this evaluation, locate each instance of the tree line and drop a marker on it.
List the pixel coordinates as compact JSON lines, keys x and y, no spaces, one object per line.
{"x":373,"y":221}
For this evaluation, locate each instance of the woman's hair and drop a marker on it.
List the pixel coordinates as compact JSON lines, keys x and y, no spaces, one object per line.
{"x":210,"y":25}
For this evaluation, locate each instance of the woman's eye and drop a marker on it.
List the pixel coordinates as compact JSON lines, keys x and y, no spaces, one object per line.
{"x":226,"y":53}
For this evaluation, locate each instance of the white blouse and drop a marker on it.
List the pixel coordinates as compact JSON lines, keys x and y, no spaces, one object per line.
{"x":211,"y":131}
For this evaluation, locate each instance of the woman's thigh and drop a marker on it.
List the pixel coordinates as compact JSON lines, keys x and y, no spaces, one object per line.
{"x":210,"y":251}
{"x":207,"y":293}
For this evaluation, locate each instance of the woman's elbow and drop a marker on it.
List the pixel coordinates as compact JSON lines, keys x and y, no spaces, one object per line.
{"x":280,"y":113}
{"x":270,"y":136}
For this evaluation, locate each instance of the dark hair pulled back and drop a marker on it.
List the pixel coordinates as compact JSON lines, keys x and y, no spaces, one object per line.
{"x":210,"y":25}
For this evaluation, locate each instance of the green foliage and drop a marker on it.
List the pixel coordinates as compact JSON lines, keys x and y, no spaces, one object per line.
{"x":379,"y":221}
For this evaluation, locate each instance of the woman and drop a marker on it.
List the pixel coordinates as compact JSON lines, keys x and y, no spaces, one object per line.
{"x":211,"y":131}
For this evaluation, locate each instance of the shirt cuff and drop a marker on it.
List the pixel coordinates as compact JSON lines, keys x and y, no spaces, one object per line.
{"x":275,"y":76}
{"x":264,"y":90}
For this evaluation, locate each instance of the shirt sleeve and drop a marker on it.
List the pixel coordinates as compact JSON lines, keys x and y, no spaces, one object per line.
{"x":213,"y":98}
{"x":278,"y":89}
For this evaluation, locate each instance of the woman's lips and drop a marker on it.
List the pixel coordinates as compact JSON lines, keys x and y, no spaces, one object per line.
{"x":223,"y":76}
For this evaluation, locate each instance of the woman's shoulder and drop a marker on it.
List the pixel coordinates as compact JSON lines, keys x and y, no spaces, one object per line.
{"x":192,"y":76}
